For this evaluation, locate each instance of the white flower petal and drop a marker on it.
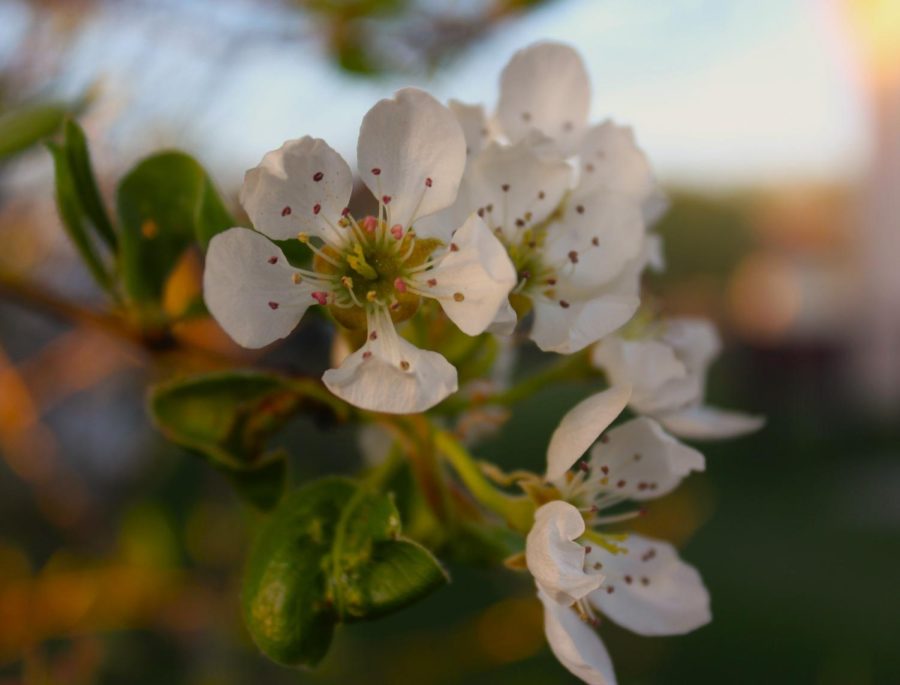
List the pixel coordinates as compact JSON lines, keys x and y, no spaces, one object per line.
{"x":303,"y":186}
{"x":248,"y":288}
{"x":576,"y":644}
{"x":649,"y":590}
{"x":552,"y":556}
{"x":600,"y":234}
{"x":709,"y":423}
{"x":639,"y":460}
{"x":659,"y":379}
{"x":475,"y":277}
{"x":390,"y":375}
{"x":581,"y":426}
{"x":695,"y":341}
{"x":545,"y":87}
{"x":511,"y":184}
{"x":411,"y":154}
{"x":611,"y":160}
{"x":567,"y":326}
{"x":474,"y":124}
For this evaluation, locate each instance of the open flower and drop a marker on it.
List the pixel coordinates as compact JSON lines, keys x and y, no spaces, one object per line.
{"x":568,"y":200}
{"x":545,"y":95}
{"x":640,"y":583}
{"x":666,"y":369}
{"x":577,"y":256}
{"x":370,"y":273}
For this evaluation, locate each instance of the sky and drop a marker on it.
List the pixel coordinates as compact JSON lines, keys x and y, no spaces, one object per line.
{"x":719,"y":93}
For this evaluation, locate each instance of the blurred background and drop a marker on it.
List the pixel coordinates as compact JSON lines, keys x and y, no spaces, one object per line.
{"x":774,"y":125}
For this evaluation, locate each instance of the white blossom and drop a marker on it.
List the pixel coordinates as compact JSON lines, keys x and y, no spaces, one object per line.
{"x":666,"y":369}
{"x":640,"y":583}
{"x":569,"y":200}
{"x":370,"y":273}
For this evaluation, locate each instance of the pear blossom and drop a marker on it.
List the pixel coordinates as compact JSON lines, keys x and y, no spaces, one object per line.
{"x":370,"y":273}
{"x":544,"y":101}
{"x":577,"y":257}
{"x":666,"y":368}
{"x":639,"y":582}
{"x":569,"y":201}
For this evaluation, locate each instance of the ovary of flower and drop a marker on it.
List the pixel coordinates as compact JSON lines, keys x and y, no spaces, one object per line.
{"x":370,"y":273}
{"x":666,"y":365}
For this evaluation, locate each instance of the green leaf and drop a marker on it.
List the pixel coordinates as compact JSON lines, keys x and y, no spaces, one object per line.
{"x":375,"y":572}
{"x":25,"y":126}
{"x":80,"y":167}
{"x":331,"y":553}
{"x":166,"y":203}
{"x":285,"y":593}
{"x":74,"y":219}
{"x":229,"y":417}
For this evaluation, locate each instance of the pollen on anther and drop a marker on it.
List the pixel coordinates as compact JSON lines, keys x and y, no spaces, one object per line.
{"x":286,"y":211}
{"x":458,"y":297}
{"x":520,"y":223}
{"x":620,"y":484}
{"x":273,"y":260}
{"x":645,"y":580}
{"x":386,"y":199}
{"x":317,"y":208}
{"x":296,"y":278}
{"x":587,"y":549}
{"x":273,"y":305}
{"x":404,"y":365}
{"x":573,"y":256}
{"x":345,"y":211}
{"x":595,"y":241}
{"x":589,"y":167}
{"x":318,"y":176}
{"x":580,"y":209}
{"x":541,"y":195}
{"x":373,"y":335}
{"x":505,"y":187}
{"x":399,"y":285}
{"x":376,"y":171}
{"x":628,"y":579}
{"x":605,"y":470}
{"x":454,"y":247}
{"x":432,"y":282}
{"x":428,"y":182}
{"x":320,"y":296}
{"x":609,"y":589}
{"x":367,"y":355}
{"x":397,"y":231}
{"x":564,"y":304}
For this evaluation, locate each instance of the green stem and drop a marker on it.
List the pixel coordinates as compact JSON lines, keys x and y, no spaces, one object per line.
{"x":517,"y":511}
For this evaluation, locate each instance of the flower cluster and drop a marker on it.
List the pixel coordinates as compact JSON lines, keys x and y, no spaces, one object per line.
{"x":531,"y":219}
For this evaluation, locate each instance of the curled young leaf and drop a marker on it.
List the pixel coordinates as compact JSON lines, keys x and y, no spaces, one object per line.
{"x":332,"y":552}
